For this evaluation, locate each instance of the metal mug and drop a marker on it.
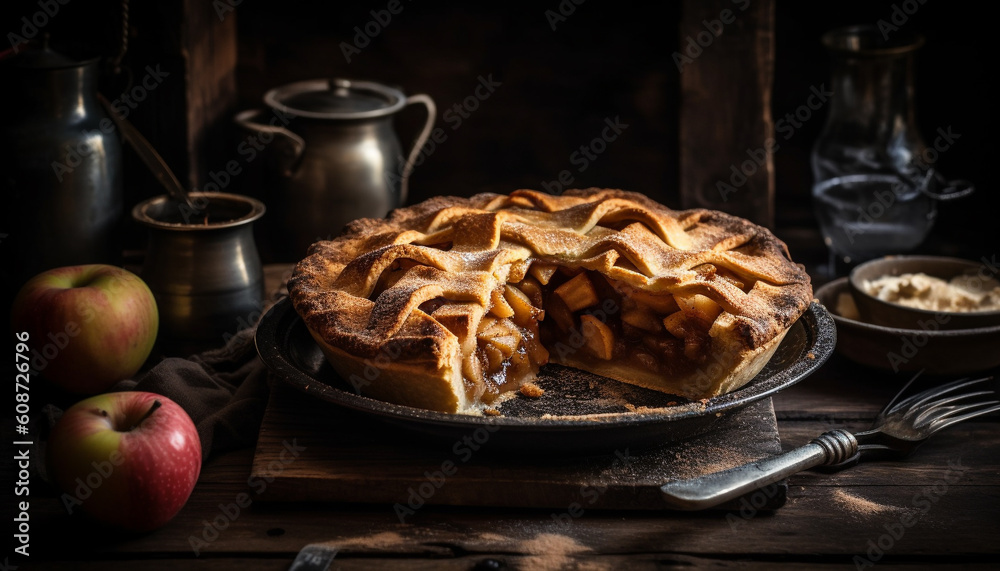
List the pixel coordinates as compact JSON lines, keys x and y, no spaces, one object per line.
{"x":202,"y":267}
{"x":333,"y":157}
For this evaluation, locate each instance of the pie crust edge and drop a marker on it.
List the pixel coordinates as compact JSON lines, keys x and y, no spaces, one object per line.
{"x":423,"y":368}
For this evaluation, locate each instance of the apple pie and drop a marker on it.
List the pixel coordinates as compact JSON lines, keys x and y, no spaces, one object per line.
{"x":453,"y":304}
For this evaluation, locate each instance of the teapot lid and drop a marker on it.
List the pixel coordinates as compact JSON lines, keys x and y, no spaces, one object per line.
{"x":336,"y":99}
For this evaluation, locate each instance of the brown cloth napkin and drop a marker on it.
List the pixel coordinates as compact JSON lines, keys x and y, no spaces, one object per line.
{"x":224,"y":391}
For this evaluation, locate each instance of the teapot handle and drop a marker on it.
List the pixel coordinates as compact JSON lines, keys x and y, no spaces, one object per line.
{"x":418,"y":145}
{"x":294,"y":145}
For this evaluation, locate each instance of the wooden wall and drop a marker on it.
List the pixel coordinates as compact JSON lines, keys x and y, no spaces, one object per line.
{"x":603,"y":60}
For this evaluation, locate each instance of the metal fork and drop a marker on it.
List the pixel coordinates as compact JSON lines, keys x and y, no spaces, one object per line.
{"x":898,"y":429}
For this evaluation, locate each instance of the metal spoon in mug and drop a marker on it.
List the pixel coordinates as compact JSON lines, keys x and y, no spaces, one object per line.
{"x":149,"y":157}
{"x":899,"y":428}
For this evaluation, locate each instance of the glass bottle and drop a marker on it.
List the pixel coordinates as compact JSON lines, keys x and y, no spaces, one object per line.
{"x":873,"y":183}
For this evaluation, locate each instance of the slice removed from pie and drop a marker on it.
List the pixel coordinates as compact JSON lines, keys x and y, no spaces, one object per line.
{"x":455,"y":303}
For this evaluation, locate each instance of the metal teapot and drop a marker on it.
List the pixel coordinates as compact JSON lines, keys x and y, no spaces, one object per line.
{"x":333,"y":157}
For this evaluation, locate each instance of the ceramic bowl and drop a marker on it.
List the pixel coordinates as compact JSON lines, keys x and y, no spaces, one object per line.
{"x":935,"y":351}
{"x":880,"y":312}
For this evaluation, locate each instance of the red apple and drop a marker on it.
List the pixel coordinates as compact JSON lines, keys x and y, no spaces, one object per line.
{"x":89,"y":326}
{"x":129,"y":459}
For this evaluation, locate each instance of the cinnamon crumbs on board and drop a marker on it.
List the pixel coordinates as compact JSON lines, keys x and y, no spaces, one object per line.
{"x":552,"y":551}
{"x":862,"y":506}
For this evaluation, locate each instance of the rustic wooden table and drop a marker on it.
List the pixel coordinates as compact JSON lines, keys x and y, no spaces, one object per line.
{"x":941,"y":506}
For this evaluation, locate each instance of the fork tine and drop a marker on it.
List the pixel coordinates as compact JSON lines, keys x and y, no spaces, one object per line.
{"x":921,"y":398}
{"x":934,"y":407}
{"x":946,"y":422}
{"x":945,"y":412}
{"x":885,"y":410}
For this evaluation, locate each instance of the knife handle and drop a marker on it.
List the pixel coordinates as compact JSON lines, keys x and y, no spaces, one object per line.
{"x":314,"y":557}
{"x":833,"y":447}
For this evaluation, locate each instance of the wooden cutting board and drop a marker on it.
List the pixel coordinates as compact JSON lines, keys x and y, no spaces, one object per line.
{"x":309,"y":450}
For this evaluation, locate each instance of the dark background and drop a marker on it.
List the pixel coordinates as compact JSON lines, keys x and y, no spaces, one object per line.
{"x":609,"y":58}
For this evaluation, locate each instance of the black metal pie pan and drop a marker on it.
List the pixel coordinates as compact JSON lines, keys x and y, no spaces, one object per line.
{"x":579,"y":412}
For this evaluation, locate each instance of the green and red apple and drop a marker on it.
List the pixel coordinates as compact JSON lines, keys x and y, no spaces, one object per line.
{"x":90,"y":326}
{"x":129,"y":459}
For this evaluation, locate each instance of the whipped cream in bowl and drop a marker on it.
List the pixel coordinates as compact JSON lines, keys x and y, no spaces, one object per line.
{"x":927,"y":292}
{"x":961,"y":293}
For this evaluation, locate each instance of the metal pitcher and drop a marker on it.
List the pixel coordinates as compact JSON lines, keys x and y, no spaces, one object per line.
{"x":60,"y":166}
{"x":333,"y":157}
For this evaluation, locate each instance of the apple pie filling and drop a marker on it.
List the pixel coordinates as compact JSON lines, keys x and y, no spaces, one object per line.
{"x":578,"y":315}
{"x":595,"y":318}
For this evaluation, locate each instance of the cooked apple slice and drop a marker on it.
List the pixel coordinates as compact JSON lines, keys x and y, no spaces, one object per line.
{"x":542,"y":272}
{"x":642,"y":318}
{"x":578,"y":293}
{"x":485,"y":324}
{"x":533,"y":290}
{"x":492,"y":328}
{"x":557,"y":310}
{"x":518,"y":270}
{"x":520,"y":304}
{"x":661,"y":303}
{"x":706,"y":309}
{"x":500,"y":307}
{"x":494,"y":358}
{"x":519,"y":361}
{"x":538,"y":353}
{"x":598,"y":336}
{"x":506,"y":344}
{"x":472,"y":367}
{"x":676,"y":324}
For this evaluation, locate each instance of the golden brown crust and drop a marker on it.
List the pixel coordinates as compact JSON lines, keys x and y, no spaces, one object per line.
{"x":462,"y":249}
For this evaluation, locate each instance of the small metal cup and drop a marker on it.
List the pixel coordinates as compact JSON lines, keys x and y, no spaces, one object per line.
{"x":203,"y":267}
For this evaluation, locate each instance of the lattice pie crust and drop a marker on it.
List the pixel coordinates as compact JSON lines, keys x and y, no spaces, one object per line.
{"x":453,"y":304}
